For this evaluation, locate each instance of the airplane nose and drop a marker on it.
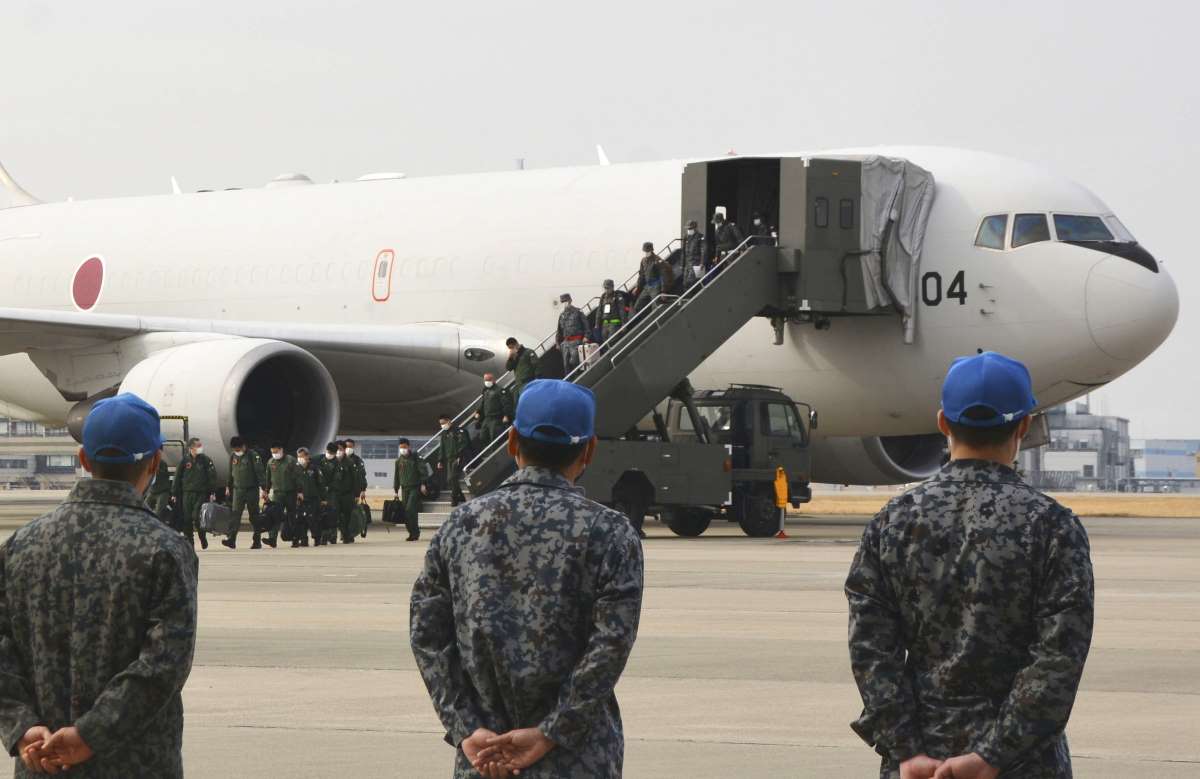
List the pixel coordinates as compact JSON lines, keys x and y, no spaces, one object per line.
{"x":1130,"y":310}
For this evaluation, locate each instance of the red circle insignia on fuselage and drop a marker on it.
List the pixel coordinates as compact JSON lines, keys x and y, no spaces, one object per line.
{"x":89,"y":280}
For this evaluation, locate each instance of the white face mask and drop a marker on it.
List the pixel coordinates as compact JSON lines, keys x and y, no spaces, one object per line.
{"x":340,"y":455}
{"x":276,"y":455}
{"x":349,"y":450}
{"x":489,"y":383}
{"x":446,"y":426}
{"x":691,"y":231}
{"x":403,"y":452}
{"x":240,"y":453}
{"x":303,"y":461}
{"x":199,"y":450}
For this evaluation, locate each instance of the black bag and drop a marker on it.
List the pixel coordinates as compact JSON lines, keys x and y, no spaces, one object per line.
{"x":172,"y":517}
{"x":329,"y":518}
{"x":270,"y":517}
{"x":393,"y":512}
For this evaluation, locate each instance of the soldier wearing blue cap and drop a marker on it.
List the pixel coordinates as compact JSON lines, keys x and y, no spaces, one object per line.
{"x":971,"y":601}
{"x":528,"y":604}
{"x":99,"y":627}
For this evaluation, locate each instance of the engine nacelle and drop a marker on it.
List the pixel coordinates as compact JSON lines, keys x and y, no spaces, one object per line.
{"x":262,"y":390}
{"x":877,"y":459}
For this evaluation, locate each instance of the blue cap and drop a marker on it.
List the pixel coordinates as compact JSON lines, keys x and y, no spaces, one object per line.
{"x":990,"y":380}
{"x":556,"y":412}
{"x":126,"y":424}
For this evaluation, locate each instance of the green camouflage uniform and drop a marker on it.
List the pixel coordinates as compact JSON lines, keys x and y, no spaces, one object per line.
{"x":572,"y":333}
{"x":246,"y":478}
{"x":452,"y":444}
{"x":310,"y":483}
{"x":524,"y":616}
{"x":160,"y":491}
{"x":283,"y":482}
{"x":611,"y":312}
{"x":971,"y":604}
{"x":98,"y":631}
{"x":495,"y":405}
{"x":406,"y":481}
{"x":524,"y":367}
{"x":195,"y":480}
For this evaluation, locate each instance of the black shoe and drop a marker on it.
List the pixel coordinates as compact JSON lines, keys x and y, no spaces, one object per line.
{"x":204,"y":541}
{"x":347,"y":540}
{"x":227,"y":542}
{"x":302,"y":542}
{"x":271,"y":542}
{"x":413,"y":538}
{"x":256,"y":545}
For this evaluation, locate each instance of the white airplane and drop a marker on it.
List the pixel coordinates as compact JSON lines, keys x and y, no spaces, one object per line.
{"x":298,"y":310}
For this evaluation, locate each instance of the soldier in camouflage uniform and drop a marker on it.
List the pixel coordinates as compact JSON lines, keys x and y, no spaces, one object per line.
{"x":283,"y":477}
{"x":406,"y":481}
{"x":971,"y":602}
{"x":195,"y":482}
{"x":99,"y":627}
{"x":311,"y":493}
{"x":693,"y":254}
{"x":571,"y":334}
{"x":452,"y":446}
{"x":528,"y":605}
{"x":247,"y":483}
{"x":524,"y":365}
{"x":495,"y":410}
{"x":160,"y":491}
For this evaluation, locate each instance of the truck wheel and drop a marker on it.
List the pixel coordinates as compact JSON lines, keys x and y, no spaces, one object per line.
{"x":689,"y":523}
{"x":634,"y":509}
{"x":759,"y":516}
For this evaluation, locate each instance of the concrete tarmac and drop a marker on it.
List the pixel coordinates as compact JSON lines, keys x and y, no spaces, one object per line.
{"x":303,"y":668}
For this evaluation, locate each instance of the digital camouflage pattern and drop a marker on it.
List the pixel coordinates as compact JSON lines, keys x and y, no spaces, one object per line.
{"x":97,"y":630}
{"x":987,"y":585}
{"x":524,"y":615}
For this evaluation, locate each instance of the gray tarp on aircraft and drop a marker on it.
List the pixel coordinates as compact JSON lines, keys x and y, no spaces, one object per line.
{"x":899,"y":193}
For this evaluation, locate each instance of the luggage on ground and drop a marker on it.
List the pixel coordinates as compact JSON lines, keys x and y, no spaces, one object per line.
{"x":217,"y":518}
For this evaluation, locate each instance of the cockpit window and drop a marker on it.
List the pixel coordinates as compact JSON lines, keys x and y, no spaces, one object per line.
{"x":1071,"y":227}
{"x":1029,"y":228}
{"x":1119,"y":230}
{"x":991,"y":232}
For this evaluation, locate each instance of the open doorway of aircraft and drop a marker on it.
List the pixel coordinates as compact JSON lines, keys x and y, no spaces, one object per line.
{"x":299,"y":310}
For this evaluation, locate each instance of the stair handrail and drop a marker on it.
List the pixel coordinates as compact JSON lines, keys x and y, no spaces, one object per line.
{"x":506,"y":379}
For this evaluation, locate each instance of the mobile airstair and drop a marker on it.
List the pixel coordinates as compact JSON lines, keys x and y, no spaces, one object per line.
{"x":849,"y":234}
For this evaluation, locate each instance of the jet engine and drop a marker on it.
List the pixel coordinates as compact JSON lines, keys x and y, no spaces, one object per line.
{"x":877,"y":459}
{"x":263,"y":390}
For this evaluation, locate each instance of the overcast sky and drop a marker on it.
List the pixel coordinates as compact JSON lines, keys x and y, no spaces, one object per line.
{"x":113,"y":98}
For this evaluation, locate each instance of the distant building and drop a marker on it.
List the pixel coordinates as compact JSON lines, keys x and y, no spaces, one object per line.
{"x":1086,"y":452}
{"x":1166,"y":464}
{"x":33,"y":456}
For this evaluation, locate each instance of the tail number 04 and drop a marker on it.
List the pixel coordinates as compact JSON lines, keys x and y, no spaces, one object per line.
{"x":931,"y":288}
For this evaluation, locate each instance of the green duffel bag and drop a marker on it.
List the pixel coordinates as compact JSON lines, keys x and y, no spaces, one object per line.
{"x":358,"y":521}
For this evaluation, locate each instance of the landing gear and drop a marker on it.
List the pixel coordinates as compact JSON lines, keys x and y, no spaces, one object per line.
{"x":756,"y":511}
{"x":689,"y":522}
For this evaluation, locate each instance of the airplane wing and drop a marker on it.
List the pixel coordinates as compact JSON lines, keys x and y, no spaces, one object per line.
{"x":25,"y":329}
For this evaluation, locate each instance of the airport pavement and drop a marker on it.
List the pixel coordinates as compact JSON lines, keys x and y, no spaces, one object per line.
{"x":303,"y":667}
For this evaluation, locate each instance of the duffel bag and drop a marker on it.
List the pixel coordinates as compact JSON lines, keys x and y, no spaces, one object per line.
{"x":393,"y":512}
{"x":270,"y":517}
{"x":329,"y":518}
{"x":217,"y":518}
{"x":358,"y":521}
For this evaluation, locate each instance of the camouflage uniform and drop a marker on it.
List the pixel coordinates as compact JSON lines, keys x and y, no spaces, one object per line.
{"x":986,"y":584}
{"x":98,"y":630}
{"x":612,"y":313}
{"x":246,"y":478}
{"x":195,"y":480}
{"x":693,"y":258}
{"x":524,"y":615}
{"x":524,"y":365}
{"x":572,"y":333}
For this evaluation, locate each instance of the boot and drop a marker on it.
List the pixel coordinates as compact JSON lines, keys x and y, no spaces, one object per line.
{"x":229,"y":543}
{"x":257,"y":542}
{"x":203,"y":540}
{"x":271,"y":541}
